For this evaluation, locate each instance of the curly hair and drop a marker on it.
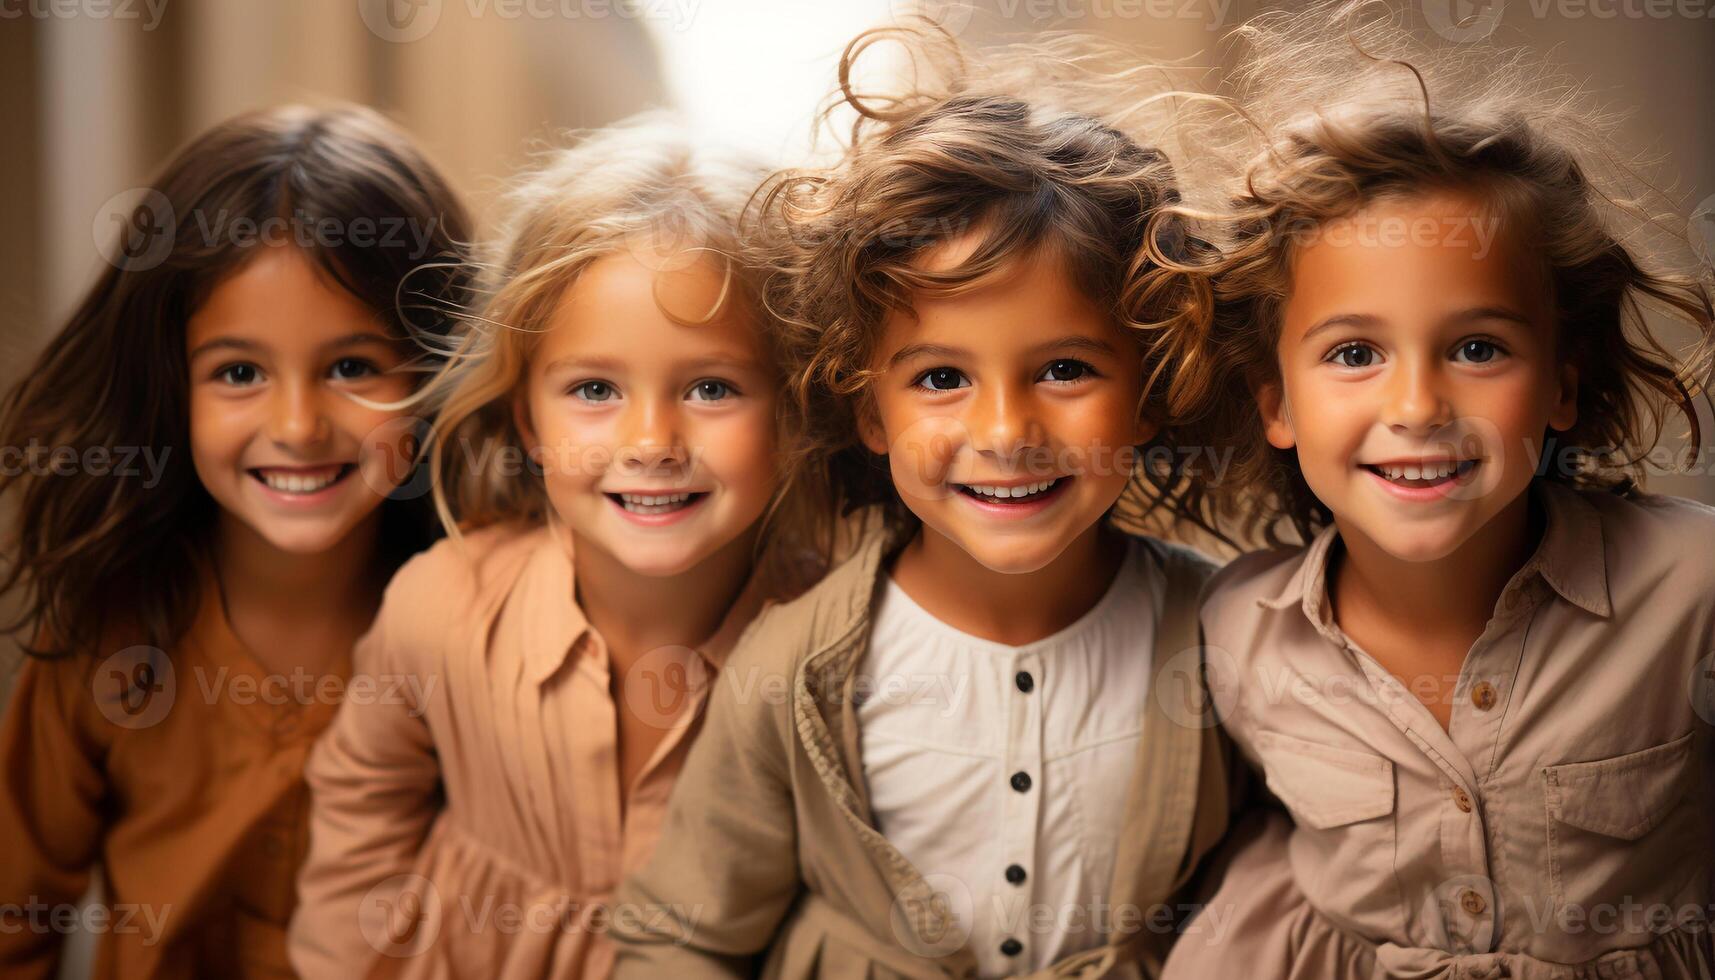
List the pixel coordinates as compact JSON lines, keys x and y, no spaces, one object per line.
{"x":1024,"y":148}
{"x":1351,"y":111}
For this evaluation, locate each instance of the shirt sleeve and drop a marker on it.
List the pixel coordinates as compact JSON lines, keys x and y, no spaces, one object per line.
{"x":725,"y":871}
{"x":51,"y":810}
{"x":374,"y":784}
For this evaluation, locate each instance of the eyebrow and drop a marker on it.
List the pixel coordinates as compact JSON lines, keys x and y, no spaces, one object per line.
{"x":1075,"y":342}
{"x":1462,"y":316}
{"x":614,"y":364}
{"x":243,"y":345}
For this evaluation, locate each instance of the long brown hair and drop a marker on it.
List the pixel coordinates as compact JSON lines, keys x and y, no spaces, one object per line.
{"x":1340,"y":108}
{"x":94,"y":549}
{"x":1034,"y":146}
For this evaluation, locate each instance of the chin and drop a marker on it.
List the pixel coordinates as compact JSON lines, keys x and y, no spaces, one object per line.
{"x":300,"y":540}
{"x":997,"y":554}
{"x":1423,"y":545}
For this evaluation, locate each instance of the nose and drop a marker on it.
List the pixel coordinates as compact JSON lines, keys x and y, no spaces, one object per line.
{"x":1416,"y":400}
{"x":297,"y":418}
{"x":650,"y":438}
{"x":1003,"y":421}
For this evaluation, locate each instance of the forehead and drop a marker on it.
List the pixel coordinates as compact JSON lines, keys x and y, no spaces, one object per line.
{"x":280,"y":298}
{"x":620,"y":307}
{"x":1422,"y":254}
{"x":1032,"y":295}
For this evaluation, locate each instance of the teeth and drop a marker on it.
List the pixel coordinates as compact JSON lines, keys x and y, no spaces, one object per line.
{"x":1006,"y":493}
{"x":295,"y":483}
{"x":1427,"y":471}
{"x":642,"y":503}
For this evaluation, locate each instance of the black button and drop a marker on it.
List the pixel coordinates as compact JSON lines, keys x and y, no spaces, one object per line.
{"x":1011,"y":947}
{"x":1021,"y":782}
{"x":1025,"y":682}
{"x":1015,"y":874}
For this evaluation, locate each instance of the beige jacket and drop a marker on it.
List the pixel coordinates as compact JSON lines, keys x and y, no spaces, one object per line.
{"x":770,"y":859}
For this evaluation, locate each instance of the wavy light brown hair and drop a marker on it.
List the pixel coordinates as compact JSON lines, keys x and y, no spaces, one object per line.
{"x":1035,"y":147}
{"x":1350,"y":110}
{"x":643,"y":184}
{"x":89,"y":552}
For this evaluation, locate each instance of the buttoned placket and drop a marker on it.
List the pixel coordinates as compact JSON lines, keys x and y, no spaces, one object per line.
{"x":1467,"y":901}
{"x":1021,"y":813}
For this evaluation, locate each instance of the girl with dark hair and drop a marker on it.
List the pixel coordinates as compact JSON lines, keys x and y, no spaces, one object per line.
{"x":201,"y":526}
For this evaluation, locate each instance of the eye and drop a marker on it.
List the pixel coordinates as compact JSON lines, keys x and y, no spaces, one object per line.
{"x":349,"y":368}
{"x":1066,"y":370}
{"x":1353,"y":355}
{"x":1478,"y":351}
{"x":594,"y":391}
{"x":239,"y":375}
{"x":712,"y":390}
{"x":941,"y":379}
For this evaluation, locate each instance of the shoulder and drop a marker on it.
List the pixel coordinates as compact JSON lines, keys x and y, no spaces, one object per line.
{"x":446,"y":582}
{"x":1238,"y":598}
{"x":1178,"y":562}
{"x":785,"y":634}
{"x":1648,"y":537}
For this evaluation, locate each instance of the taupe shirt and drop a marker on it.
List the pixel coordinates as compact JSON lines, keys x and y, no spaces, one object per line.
{"x":1564,"y":814}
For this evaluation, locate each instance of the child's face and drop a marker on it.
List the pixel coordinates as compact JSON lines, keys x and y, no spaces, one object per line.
{"x":1021,"y":386}
{"x":274,"y":353}
{"x":1419,"y":373}
{"x":656,"y":438}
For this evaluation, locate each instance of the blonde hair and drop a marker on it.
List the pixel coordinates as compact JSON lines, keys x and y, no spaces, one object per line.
{"x":1032,"y":146}
{"x":1352,"y":111}
{"x":640,"y":185}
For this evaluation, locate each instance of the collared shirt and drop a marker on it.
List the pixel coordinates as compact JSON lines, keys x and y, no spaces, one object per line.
{"x":179,"y":773}
{"x":469,"y":822}
{"x":1566,"y":809}
{"x":1001,"y":771}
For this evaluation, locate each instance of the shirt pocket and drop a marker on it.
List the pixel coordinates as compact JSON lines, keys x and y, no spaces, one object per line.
{"x":1342,"y":800}
{"x":1622,"y":828}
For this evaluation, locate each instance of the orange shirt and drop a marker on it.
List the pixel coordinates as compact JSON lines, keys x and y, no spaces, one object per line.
{"x":180,"y":773}
{"x":470,"y":825}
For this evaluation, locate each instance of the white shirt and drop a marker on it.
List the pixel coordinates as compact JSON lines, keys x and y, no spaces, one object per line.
{"x":1001,"y":772}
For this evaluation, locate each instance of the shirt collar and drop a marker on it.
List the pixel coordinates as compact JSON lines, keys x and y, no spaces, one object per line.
{"x":558,"y":627}
{"x":1570,"y":558}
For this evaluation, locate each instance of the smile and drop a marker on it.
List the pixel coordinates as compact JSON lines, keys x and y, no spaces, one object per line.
{"x":1422,"y":474}
{"x":1017,"y":500}
{"x":301,"y":482}
{"x":655,"y":504}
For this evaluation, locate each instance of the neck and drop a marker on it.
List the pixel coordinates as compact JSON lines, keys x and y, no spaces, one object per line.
{"x":1009,"y":608}
{"x":626,"y":606}
{"x":266,"y":587}
{"x":1453,"y":594}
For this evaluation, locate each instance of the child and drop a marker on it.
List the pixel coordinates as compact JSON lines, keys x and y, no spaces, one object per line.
{"x":211,"y":534}
{"x":975,"y":719}
{"x":571,"y":630}
{"x":1472,"y":688}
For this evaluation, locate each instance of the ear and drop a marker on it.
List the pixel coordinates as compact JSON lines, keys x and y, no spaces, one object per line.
{"x":1144,"y":429}
{"x":870,"y":432}
{"x":1564,"y":415}
{"x":1276,"y":415}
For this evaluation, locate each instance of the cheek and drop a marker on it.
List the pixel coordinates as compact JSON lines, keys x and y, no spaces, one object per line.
{"x":739,"y":448}
{"x":218,"y":428}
